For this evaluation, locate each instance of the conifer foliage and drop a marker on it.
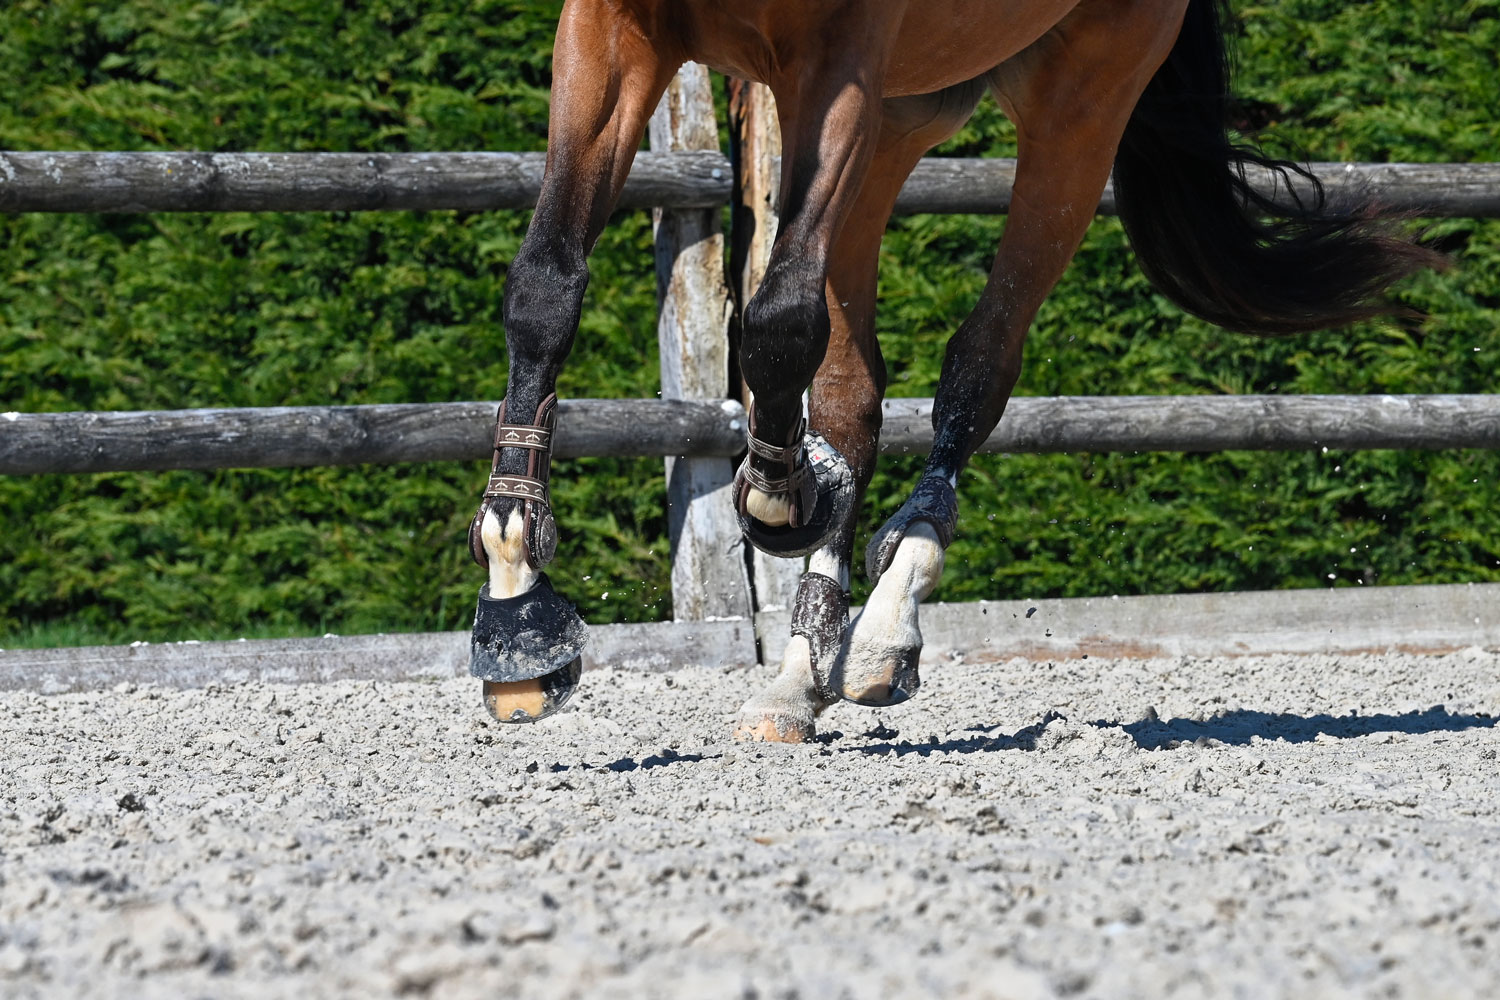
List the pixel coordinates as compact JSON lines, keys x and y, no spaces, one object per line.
{"x":112,"y":312}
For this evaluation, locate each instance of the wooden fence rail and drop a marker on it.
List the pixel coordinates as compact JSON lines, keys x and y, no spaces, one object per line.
{"x":300,"y":436}
{"x":36,"y":443}
{"x":327,"y":182}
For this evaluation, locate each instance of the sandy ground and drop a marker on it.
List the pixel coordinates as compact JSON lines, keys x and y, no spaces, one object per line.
{"x":1308,"y":827}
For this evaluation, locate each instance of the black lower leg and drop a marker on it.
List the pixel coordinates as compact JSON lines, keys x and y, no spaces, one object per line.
{"x":980,"y":368}
{"x":979,"y":371}
{"x":543,"y":300}
{"x":785,"y":336}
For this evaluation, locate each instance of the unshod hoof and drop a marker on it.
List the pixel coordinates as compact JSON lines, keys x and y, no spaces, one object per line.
{"x":769,"y":729}
{"x":767,"y":732}
{"x":533,"y":699}
{"x":895,"y":680}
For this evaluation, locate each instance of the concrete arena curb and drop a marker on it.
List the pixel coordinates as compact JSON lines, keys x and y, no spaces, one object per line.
{"x":414,"y":656}
{"x":1427,"y":619}
{"x":1409,"y":619}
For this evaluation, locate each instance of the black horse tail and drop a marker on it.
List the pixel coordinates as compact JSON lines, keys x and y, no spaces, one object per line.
{"x":1208,"y":241}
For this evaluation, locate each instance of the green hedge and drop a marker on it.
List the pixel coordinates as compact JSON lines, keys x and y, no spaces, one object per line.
{"x":168,"y":311}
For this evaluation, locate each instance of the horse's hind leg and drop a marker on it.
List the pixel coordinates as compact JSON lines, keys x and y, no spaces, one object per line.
{"x":1068,"y":129}
{"x":607,"y":78}
{"x":844,"y":407}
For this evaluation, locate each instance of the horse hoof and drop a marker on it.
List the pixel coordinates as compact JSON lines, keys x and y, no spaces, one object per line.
{"x":768,"y":730}
{"x":895,"y":681}
{"x":529,"y":700}
{"x":835,"y":498}
{"x":526,"y":637}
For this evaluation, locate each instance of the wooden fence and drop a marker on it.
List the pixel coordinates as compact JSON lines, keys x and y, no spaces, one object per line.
{"x":698,"y":425}
{"x":383,"y":434}
{"x":475,"y":182}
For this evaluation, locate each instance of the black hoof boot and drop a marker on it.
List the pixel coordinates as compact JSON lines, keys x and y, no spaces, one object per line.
{"x":528,"y":651}
{"x":822,"y":489}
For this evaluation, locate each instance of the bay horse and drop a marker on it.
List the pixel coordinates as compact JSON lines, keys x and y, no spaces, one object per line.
{"x":863,"y":89}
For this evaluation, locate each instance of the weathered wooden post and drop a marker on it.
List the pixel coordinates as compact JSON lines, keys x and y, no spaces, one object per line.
{"x":709,"y":574}
{"x":756,"y":137}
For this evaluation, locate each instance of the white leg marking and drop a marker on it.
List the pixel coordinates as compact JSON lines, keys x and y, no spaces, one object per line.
{"x":772,"y":511}
{"x":829,"y":563}
{"x":886,"y":631}
{"x":510,"y":574}
{"x":785,"y":711}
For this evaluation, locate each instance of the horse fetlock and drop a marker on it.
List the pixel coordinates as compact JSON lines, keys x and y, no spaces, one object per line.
{"x":916,"y":568}
{"x":772,"y":510}
{"x":519,"y":486}
{"x":794,"y":514}
{"x":511,"y":573}
{"x":878,"y":660}
{"x":774,"y":484}
{"x":934,"y":504}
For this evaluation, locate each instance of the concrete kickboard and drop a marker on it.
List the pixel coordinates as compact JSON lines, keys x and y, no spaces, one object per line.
{"x":1416,"y":619}
{"x":1411,"y":619}
{"x":653,"y":646}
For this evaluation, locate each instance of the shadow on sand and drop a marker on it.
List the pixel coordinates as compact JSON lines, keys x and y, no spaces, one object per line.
{"x":1023,"y":739}
{"x":1239,"y":727}
{"x":1235,"y":728}
{"x":665,"y":759}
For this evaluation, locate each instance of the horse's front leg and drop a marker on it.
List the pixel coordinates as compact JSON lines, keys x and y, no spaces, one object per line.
{"x":830,"y":114}
{"x":608,"y":74}
{"x":1068,"y":130}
